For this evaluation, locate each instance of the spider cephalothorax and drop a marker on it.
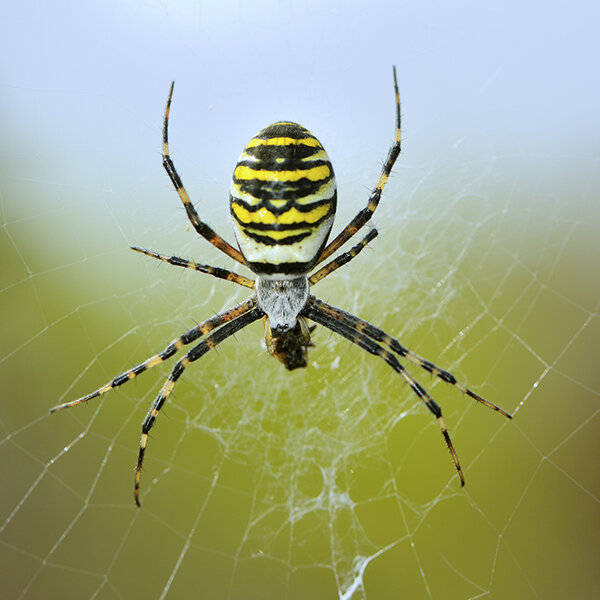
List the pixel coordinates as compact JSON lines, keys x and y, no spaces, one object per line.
{"x":286,"y":333}
{"x":283,"y":199}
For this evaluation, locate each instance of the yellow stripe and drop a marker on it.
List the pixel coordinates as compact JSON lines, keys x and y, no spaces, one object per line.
{"x":152,"y":362}
{"x":295,"y":216}
{"x":289,"y":217}
{"x":284,"y":141}
{"x":278,"y":203}
{"x":320,"y":155}
{"x":262,"y":215}
{"x":314,"y":174}
{"x":167,"y":388}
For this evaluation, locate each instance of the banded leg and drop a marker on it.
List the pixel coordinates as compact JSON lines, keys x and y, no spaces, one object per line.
{"x":393,"y":344}
{"x":227,"y":330}
{"x":342,"y":259}
{"x":366,"y":213}
{"x":202,"y":228}
{"x":361,"y":340}
{"x":188,"y":264}
{"x":187,"y":338}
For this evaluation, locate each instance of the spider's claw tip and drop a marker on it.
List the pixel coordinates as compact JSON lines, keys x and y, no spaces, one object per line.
{"x":503,"y":412}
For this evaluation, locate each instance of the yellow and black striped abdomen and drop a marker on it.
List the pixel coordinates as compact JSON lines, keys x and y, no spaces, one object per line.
{"x":283,"y":199}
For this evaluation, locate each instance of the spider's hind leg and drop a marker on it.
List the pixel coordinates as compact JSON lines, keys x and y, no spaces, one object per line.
{"x":377,"y":342}
{"x":360,"y":339}
{"x":208,"y":343}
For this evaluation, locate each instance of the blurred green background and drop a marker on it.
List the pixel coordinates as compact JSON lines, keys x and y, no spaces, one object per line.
{"x":332,"y":482}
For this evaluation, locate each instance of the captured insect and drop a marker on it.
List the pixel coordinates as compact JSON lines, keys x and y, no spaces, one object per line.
{"x":282,"y":201}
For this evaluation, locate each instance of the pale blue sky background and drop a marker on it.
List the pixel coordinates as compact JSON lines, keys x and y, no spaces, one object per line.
{"x":520,"y":72}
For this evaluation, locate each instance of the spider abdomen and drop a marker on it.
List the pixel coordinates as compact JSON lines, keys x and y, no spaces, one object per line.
{"x":283,"y":200}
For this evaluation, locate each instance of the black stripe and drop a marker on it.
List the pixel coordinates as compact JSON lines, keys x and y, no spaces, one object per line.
{"x":119,"y":380}
{"x":294,"y":165}
{"x":448,"y":378}
{"x":287,"y":129}
{"x":147,"y":424}
{"x":279,"y":210}
{"x":430,"y":403}
{"x":163,"y":356}
{"x":270,"y":153}
{"x":281,"y":190}
{"x":176,"y":372}
{"x":267,"y":241}
{"x":276,"y":210}
{"x":288,"y":268}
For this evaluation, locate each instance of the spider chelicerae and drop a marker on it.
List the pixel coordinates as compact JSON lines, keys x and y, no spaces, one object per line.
{"x":282,"y":202}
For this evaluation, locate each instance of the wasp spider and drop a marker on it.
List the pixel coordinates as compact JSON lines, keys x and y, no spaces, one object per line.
{"x":282,"y":202}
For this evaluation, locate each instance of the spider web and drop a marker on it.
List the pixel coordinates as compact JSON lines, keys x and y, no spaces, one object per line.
{"x":332,"y":482}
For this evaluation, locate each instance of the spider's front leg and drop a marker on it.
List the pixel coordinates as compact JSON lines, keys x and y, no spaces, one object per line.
{"x":200,"y":226}
{"x":189,"y":264}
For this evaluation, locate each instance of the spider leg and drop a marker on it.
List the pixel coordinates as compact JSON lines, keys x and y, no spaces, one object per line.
{"x":342,"y":259}
{"x":393,"y":344}
{"x":366,"y":213}
{"x":202,"y":228}
{"x":360,"y":339}
{"x":187,"y":338}
{"x":221,"y":334}
{"x":188,"y":264}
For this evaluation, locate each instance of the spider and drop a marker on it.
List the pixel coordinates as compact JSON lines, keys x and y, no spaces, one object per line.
{"x":282,"y":203}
